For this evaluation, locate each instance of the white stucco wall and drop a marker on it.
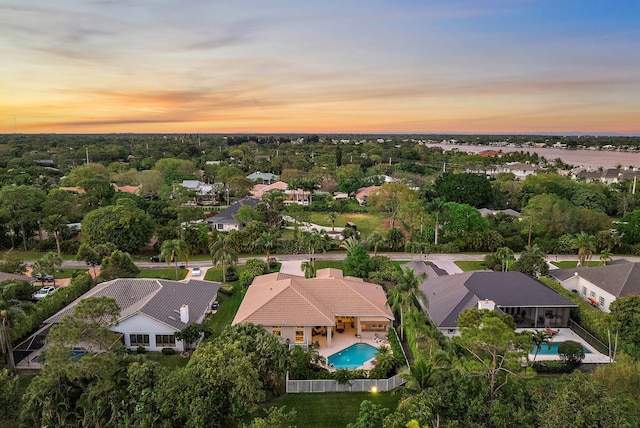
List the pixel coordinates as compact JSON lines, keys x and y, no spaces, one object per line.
{"x":141,"y":324}
{"x":581,"y":285}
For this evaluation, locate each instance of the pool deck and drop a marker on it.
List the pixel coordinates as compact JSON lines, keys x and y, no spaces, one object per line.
{"x":594,"y":357}
{"x":340,"y":341}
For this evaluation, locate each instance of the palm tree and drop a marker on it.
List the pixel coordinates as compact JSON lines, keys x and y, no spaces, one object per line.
{"x":422,"y":375}
{"x":606,"y":257}
{"x":438,"y":208}
{"x":314,"y":241}
{"x":407,"y":294}
{"x":49,"y":262}
{"x":55,"y":224}
{"x":223,"y":252}
{"x":505,"y":255}
{"x":585,"y":244}
{"x":349,"y":242}
{"x":172,"y":250}
{"x":539,"y":338}
{"x":376,"y":238}
{"x":267,"y":241}
{"x":332,"y":216}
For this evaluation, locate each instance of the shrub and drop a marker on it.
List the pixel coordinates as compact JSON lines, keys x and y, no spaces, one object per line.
{"x":168,"y":351}
{"x":226,"y":289}
{"x":141,"y":350}
{"x":253,"y":268}
{"x":551,"y":367}
{"x":571,"y":353}
{"x":69,"y":247}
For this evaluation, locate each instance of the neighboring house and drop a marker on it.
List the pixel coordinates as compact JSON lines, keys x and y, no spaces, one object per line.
{"x":486,"y":211}
{"x":601,"y":285}
{"x":16,"y":277}
{"x":608,"y":176}
{"x":262,"y":177}
{"x":364,"y":192}
{"x":295,"y":308}
{"x":260,"y":189}
{"x":152,"y":311}
{"x":202,"y":190}
{"x":127,"y":189}
{"x":531,"y":303}
{"x":519,"y":169}
{"x":225,"y":220}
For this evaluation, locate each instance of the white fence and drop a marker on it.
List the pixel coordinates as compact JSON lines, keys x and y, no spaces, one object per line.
{"x":355,"y":385}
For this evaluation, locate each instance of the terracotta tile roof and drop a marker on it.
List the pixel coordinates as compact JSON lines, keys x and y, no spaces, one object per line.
{"x":281,"y":299}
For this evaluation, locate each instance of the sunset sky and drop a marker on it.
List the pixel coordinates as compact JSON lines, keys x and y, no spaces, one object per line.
{"x":367,"y":66}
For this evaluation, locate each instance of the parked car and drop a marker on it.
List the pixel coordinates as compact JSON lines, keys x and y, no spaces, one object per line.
{"x":155,"y":259}
{"x":215,"y":305}
{"x":195,"y":271}
{"x":47,"y":277}
{"x":44,"y":292}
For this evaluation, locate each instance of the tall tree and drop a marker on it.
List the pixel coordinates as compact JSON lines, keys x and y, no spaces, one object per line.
{"x":375,"y":239}
{"x":267,"y":242}
{"x":585,"y":244}
{"x":174,"y":249}
{"x":332,"y":216}
{"x":505,"y":255}
{"x":223,"y":252}
{"x":55,"y":224}
{"x":21,"y":209}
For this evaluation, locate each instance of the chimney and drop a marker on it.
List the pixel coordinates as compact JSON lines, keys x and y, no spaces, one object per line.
{"x":184,"y":313}
{"x":486,"y":304}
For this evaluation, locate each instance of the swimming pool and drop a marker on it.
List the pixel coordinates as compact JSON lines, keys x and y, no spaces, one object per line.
{"x":352,"y":357}
{"x":545,"y":350}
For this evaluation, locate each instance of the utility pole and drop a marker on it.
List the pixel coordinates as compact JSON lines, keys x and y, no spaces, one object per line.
{"x":444,"y":167}
{"x":87,"y":150}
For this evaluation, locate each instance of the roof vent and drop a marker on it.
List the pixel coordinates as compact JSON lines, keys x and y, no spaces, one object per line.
{"x":575,"y":274}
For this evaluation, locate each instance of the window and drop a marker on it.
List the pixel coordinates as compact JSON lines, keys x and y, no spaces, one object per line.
{"x":601,"y":301}
{"x":299,"y":335}
{"x":277,"y":333}
{"x":139,"y":339}
{"x":451,"y":331}
{"x":584,"y":290}
{"x":165,"y":340}
{"x":592,"y":294}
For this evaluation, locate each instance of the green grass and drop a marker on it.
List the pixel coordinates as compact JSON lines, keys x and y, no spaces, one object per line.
{"x":67,"y":273}
{"x":366,"y":222}
{"x":469,"y":265}
{"x":566,"y":264}
{"x":323,"y":264}
{"x":228,"y":306}
{"x":332,"y":409}
{"x":169,"y":361}
{"x":162,"y":273}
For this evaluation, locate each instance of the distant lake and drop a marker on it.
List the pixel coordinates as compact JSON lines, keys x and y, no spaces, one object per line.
{"x":583,"y":158}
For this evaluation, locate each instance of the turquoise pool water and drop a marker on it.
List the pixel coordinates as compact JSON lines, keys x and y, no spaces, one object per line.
{"x":352,"y":357}
{"x":554,"y":349}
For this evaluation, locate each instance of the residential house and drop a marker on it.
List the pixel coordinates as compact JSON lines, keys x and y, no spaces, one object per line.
{"x":608,"y":176}
{"x":262,"y":177}
{"x":601,"y":285}
{"x":260,"y":189}
{"x":364,"y":192}
{"x":225,"y":220}
{"x":152,"y":311}
{"x":519,"y":169}
{"x":531,"y":303}
{"x":15,"y":277}
{"x":295,"y":308}
{"x":486,"y":211}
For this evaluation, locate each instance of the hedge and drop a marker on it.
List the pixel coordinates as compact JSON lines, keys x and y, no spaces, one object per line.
{"x":47,"y":307}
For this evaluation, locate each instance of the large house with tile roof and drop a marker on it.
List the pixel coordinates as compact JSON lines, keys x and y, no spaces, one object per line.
{"x":295,"y":308}
{"x":152,"y":311}
{"x":601,"y":285}
{"x":530,"y":302}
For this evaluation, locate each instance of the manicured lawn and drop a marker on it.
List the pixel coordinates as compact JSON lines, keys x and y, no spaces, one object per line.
{"x":469,"y":265}
{"x":336,"y":264}
{"x":162,"y":273}
{"x":366,"y":223}
{"x":67,"y":272}
{"x":169,"y":361}
{"x":566,"y":264}
{"x":35,"y":255}
{"x":228,"y":306}
{"x":332,"y":409}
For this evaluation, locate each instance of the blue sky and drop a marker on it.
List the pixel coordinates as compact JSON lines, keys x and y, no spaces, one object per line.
{"x":334,"y":66}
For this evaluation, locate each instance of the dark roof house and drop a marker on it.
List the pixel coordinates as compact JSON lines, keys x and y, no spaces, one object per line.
{"x":225,"y":220}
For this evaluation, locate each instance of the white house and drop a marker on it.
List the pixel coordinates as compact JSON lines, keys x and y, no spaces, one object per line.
{"x":601,"y":285}
{"x":152,"y":311}
{"x":225,"y":220}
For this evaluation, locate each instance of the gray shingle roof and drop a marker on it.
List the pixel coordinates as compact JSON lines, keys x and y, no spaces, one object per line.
{"x":158,"y":299}
{"x":619,"y":279}
{"x":227,"y":216}
{"x":15,"y":277}
{"x":449,"y":295}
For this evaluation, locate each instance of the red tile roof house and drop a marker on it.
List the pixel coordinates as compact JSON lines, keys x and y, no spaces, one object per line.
{"x":297,"y":308}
